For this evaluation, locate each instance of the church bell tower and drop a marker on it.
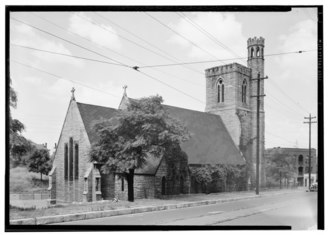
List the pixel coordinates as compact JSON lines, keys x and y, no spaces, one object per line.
{"x":255,"y":62}
{"x":228,"y":94}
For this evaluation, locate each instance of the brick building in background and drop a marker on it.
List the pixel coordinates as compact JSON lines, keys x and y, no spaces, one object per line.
{"x":300,"y":161}
{"x":224,"y":134}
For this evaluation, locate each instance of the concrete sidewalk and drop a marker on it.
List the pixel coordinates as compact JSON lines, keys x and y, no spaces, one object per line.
{"x":210,"y":199}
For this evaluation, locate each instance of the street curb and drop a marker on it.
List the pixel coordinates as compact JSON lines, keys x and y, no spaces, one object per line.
{"x":125,"y":211}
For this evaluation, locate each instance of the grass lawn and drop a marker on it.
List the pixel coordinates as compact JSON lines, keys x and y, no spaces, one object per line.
{"x":61,"y":209}
{"x":23,"y":181}
{"x":85,"y":207}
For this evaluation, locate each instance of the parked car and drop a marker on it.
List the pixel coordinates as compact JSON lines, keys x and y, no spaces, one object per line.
{"x":313,"y":187}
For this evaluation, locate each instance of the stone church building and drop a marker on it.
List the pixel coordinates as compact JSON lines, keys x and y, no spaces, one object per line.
{"x":223,"y":134}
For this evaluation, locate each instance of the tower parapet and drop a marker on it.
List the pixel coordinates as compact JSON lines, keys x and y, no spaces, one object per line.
{"x":255,"y":48}
{"x":228,"y":68}
{"x":255,"y":41}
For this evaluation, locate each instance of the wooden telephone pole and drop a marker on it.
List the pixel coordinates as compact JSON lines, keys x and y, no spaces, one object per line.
{"x":310,"y":154}
{"x":258,"y":128}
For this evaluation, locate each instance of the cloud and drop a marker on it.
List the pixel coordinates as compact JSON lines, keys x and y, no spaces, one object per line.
{"x":103,"y":35}
{"x":296,"y":76}
{"x":223,"y":26}
{"x":299,"y":69}
{"x":33,"y":39}
{"x":60,"y":92}
{"x":303,"y":36}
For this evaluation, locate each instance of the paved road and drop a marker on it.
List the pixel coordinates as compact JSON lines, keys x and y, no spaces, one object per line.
{"x":298,"y":210}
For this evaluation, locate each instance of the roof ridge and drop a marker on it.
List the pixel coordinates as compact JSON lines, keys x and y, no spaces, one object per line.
{"x":180,"y":108}
{"x":96,"y":105}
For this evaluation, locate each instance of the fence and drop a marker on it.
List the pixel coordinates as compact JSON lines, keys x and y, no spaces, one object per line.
{"x":30,"y":196}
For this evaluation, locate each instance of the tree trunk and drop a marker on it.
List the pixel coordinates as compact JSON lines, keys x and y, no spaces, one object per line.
{"x":41,"y":176}
{"x":287,"y":183}
{"x":280,"y":180}
{"x":130,"y":185}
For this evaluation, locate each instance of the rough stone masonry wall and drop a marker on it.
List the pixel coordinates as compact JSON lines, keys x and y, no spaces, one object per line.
{"x":226,"y":109}
{"x":144,"y":187}
{"x":176,"y":175}
{"x":239,"y":118}
{"x":246,"y":140}
{"x":161,"y":172}
{"x":73,"y":127}
{"x":108,"y":186}
{"x":119,"y":193}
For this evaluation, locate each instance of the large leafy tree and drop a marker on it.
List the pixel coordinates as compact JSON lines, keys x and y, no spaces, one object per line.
{"x":40,"y":161}
{"x":18,"y":144}
{"x":142,"y":130}
{"x":280,"y":166}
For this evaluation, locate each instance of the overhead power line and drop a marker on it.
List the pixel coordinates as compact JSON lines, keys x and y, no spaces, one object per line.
{"x":294,"y":102}
{"x":70,"y":42}
{"x":221,"y":60}
{"x":62,"y":54}
{"x":288,"y":107}
{"x":106,"y":62}
{"x":119,"y":63}
{"x":88,"y":59}
{"x":185,"y":38}
{"x":117,"y":53}
{"x":148,"y":43}
{"x":86,"y":39}
{"x":125,"y":38}
{"x":206,"y":33}
{"x":82,"y":84}
{"x":134,"y":68}
{"x":59,"y":77}
{"x":168,"y":56}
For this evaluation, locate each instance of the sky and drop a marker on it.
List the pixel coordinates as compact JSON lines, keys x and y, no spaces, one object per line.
{"x":122,"y":40}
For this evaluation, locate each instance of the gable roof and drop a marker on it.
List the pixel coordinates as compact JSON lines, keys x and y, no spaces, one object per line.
{"x":210,"y":142}
{"x":90,"y":114}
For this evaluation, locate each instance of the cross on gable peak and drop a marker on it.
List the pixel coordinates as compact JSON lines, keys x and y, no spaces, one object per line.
{"x":72,"y":96}
{"x":125,"y":87}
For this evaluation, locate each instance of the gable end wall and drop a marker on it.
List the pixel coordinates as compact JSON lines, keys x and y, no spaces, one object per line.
{"x":73,"y":127}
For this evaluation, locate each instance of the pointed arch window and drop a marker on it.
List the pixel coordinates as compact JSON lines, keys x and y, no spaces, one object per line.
{"x":220,"y":91}
{"x":244,"y":85}
{"x":71,"y":159}
{"x":252,"y":52}
{"x":258,"y":52}
{"x":65,"y":161}
{"x":76,"y":161}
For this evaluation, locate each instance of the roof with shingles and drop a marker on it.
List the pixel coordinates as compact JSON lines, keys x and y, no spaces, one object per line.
{"x":210,"y":142}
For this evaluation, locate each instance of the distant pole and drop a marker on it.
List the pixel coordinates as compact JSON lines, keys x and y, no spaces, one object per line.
{"x":258,"y":130}
{"x":310,"y":153}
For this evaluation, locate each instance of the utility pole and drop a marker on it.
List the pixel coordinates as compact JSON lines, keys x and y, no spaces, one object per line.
{"x":310,"y":154}
{"x":258,"y":128}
